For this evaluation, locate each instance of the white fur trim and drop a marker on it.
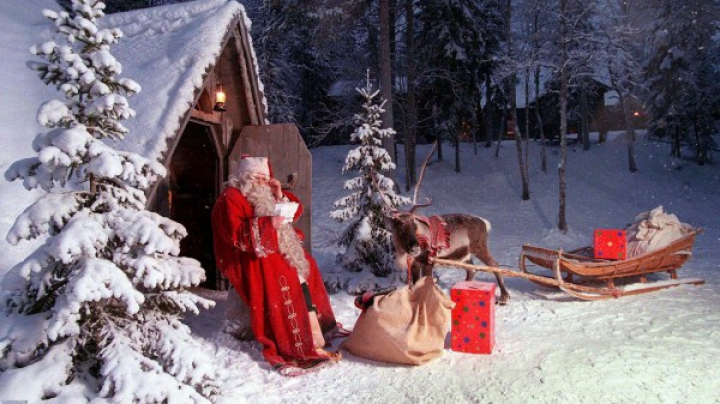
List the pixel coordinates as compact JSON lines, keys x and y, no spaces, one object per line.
{"x":255,"y":165}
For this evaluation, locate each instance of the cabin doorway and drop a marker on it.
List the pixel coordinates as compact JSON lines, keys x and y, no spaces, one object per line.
{"x":193,"y":191}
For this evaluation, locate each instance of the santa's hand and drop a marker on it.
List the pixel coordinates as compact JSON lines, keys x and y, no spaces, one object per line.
{"x":277,"y":221}
{"x":275,"y":188}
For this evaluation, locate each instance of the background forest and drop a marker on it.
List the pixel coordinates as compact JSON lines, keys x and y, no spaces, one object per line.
{"x":447,"y":58}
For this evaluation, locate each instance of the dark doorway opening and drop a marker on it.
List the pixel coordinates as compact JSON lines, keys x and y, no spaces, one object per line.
{"x":193,"y":190}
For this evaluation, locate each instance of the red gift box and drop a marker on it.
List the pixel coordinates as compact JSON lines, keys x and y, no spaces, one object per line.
{"x":610,"y":244}
{"x":473,"y":318}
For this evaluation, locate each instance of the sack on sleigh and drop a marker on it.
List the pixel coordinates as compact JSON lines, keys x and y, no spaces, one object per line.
{"x":406,"y":326}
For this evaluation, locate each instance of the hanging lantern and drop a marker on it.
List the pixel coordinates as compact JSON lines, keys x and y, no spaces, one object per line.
{"x":220,"y":98}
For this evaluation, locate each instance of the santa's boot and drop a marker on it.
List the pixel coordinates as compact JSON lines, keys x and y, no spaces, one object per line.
{"x":318,"y":338}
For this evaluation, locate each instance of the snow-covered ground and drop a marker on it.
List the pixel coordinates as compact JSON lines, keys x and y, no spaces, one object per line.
{"x":661,"y":347}
{"x":654,"y":348}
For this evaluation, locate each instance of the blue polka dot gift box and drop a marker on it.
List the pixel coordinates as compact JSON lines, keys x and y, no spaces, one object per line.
{"x":610,"y":244}
{"x":473,"y":318}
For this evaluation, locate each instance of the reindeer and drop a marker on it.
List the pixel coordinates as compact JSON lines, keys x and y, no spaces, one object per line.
{"x":418,"y":239}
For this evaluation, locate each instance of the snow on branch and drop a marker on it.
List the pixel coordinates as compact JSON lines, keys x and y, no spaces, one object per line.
{"x":102,"y":297}
{"x":43,"y":378}
{"x":121,"y":366}
{"x":154,"y":271}
{"x":154,"y":233}
{"x":83,"y":236}
{"x":48,"y":215}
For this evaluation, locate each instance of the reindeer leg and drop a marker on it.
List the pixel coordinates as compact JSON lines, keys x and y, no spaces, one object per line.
{"x":490,"y":261}
{"x":469,"y":273}
{"x":504,"y":295}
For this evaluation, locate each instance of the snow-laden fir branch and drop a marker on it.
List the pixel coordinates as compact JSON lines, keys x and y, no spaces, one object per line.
{"x":99,"y":302}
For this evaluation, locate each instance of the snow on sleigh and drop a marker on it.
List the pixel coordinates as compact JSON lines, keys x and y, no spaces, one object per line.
{"x":656,"y":243}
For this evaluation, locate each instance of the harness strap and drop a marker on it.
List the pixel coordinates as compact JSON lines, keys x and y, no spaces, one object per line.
{"x":439,"y":237}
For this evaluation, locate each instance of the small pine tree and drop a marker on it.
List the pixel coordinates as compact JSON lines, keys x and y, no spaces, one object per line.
{"x":97,"y":307}
{"x":367,"y":241}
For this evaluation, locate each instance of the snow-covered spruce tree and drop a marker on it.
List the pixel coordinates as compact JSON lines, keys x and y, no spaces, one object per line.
{"x":367,"y":241}
{"x":97,"y":308}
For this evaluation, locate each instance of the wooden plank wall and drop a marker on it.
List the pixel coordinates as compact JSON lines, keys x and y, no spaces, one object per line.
{"x":287,"y":153}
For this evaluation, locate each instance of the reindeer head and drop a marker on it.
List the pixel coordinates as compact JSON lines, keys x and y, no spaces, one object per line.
{"x":403,"y":224}
{"x":404,"y":231}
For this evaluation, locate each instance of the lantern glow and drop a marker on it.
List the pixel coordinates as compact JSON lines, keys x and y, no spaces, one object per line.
{"x":220,"y":98}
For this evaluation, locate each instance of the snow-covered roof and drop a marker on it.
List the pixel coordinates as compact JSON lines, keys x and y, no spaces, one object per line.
{"x":610,"y":97}
{"x":168,"y":50}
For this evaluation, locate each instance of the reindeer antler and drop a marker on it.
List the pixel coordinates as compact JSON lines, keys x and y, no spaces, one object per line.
{"x":417,"y":186}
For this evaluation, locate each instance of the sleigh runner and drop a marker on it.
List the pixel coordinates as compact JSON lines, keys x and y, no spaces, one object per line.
{"x":579,"y":274}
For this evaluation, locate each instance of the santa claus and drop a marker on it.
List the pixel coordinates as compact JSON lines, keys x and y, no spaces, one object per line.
{"x":262,"y":256}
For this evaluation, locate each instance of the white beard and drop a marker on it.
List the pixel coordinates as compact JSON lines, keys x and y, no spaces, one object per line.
{"x":289,"y":244}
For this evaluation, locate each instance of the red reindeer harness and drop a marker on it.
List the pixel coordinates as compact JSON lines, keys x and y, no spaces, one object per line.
{"x":438,"y":240}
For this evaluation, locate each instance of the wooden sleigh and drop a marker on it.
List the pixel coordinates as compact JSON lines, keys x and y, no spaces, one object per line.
{"x":579,"y":274}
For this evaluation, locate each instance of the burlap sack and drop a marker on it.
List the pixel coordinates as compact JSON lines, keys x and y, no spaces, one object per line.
{"x":406,"y":326}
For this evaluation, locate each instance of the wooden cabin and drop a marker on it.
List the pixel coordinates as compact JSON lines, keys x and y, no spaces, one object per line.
{"x":602,"y":109}
{"x":181,"y":55}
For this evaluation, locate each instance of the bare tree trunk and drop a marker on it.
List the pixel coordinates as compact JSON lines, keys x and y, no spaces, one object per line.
{"x":410,"y":136}
{"x":543,"y":153}
{"x":521,"y":161}
{"x":439,"y":147}
{"x":457,"y":149}
{"x":526,"y":90}
{"x":393,"y":35}
{"x":386,"y":86}
{"x":676,"y":147}
{"x":526,"y":138}
{"x":538,"y":116}
{"x":93,"y":184}
{"x":701,"y":139}
{"x":562,"y":222}
{"x":488,"y":111}
{"x":584,"y":131}
{"x":438,"y":135}
{"x":602,"y":133}
{"x":475,"y":126}
{"x":501,"y":133}
{"x":511,"y":91}
{"x":629,"y":131}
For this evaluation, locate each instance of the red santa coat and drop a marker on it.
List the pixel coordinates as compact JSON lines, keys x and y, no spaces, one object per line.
{"x":246,"y":253}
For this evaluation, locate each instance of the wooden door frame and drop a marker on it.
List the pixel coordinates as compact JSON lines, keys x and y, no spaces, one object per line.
{"x":214,"y":132}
